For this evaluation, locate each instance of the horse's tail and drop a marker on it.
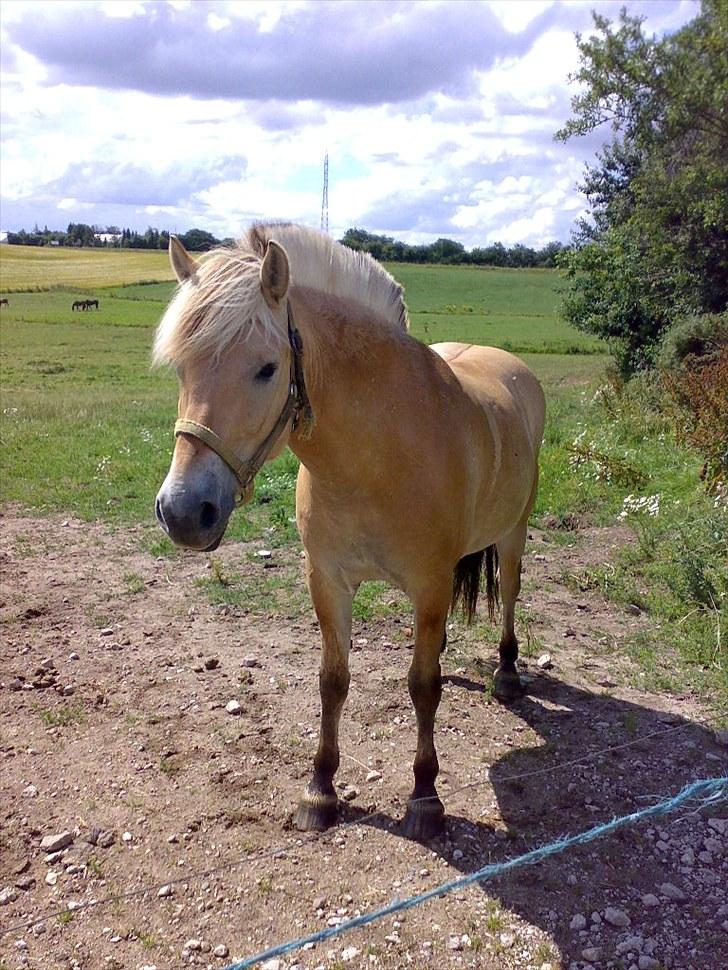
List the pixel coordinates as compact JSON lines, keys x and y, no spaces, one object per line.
{"x":466,"y":582}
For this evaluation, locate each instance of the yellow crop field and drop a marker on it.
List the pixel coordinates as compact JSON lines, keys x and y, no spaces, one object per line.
{"x":24,"y":268}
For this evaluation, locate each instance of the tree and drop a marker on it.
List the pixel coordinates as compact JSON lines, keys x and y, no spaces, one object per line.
{"x":656,"y":245}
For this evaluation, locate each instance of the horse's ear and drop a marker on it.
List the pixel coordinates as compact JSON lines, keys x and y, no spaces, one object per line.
{"x":274,"y":274}
{"x":183,"y":264}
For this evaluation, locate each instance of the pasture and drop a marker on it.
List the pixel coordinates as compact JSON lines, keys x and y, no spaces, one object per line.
{"x":121,"y":654}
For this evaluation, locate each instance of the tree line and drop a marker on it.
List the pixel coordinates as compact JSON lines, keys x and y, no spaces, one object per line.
{"x":80,"y":234}
{"x":382,"y":248}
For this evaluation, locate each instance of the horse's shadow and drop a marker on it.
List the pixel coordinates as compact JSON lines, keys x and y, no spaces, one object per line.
{"x":599,"y":757}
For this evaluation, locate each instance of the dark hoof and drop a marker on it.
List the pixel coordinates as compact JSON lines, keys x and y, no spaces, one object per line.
{"x":507,"y":686}
{"x":316,"y":813}
{"x":424,"y":819}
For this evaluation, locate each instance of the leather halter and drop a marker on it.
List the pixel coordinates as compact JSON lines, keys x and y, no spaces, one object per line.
{"x":297,"y":406}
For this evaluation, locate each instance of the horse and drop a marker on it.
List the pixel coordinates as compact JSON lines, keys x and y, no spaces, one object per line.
{"x":92,"y":303}
{"x":4,"y":301}
{"x":78,"y":305}
{"x":418,"y":464}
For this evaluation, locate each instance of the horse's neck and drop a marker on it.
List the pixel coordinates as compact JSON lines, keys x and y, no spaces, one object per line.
{"x":352,"y":366}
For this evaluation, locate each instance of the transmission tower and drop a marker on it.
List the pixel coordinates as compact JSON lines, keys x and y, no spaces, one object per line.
{"x":325,"y":197}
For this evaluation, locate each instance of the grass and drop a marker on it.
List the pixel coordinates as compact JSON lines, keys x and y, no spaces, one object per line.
{"x":87,"y":430}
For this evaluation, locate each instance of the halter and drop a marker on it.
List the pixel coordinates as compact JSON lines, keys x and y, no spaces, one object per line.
{"x":297,"y":406}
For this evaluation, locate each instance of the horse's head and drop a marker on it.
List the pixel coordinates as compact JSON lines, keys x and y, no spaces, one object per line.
{"x":237,"y":356}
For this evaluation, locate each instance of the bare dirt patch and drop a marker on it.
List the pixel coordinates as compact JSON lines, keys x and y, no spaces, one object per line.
{"x":115,"y":678}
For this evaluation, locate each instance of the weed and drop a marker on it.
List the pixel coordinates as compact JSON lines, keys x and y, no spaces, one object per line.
{"x":147,"y":940}
{"x":265,"y":885}
{"x":64,"y":716}
{"x":134,"y":583}
{"x":65,"y":917}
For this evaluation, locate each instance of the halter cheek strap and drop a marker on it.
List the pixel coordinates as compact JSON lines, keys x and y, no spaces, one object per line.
{"x":297,"y":406}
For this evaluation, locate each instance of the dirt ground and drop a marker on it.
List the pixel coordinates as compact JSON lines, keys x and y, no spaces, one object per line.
{"x":116,"y":672}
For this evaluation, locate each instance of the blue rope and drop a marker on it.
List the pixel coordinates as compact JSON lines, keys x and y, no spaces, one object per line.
{"x":711,"y":790}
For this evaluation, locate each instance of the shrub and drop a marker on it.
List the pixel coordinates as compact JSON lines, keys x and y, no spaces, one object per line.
{"x":699,"y":390}
{"x":699,"y":336}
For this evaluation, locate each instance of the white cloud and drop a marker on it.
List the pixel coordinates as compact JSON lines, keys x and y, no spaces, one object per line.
{"x":438,"y":117}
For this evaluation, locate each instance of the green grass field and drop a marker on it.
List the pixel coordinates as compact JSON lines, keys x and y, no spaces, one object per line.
{"x":87,"y":426}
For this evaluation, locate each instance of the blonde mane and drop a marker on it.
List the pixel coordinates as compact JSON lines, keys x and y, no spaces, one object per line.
{"x":224,"y":300}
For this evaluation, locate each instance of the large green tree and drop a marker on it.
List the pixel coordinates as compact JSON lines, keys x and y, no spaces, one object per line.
{"x":655,"y":247}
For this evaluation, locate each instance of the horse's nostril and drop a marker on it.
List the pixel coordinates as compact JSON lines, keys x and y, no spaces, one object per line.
{"x":208,"y":515}
{"x":158,"y":512}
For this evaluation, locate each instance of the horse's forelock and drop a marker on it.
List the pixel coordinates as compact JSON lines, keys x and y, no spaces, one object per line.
{"x":223,"y":303}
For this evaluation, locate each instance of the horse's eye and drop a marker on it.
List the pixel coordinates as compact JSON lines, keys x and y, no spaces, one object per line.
{"x":266,"y":372}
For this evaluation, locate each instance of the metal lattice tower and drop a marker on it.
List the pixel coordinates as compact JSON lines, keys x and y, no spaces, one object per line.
{"x":325,"y":197}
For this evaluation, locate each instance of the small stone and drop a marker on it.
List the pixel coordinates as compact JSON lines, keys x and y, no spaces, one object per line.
{"x":272,"y":964}
{"x":51,"y":878}
{"x":350,"y":953}
{"x":250,"y":662}
{"x":650,"y":900}
{"x":374,"y":775}
{"x":108,"y":631}
{"x":127,"y":837}
{"x":105,"y":839}
{"x":193,"y":945}
{"x":349,"y":793}
{"x":673,"y":892}
{"x":719,"y":825}
{"x":454,"y":943}
{"x":721,"y":737}
{"x":457,"y":855}
{"x":165,"y":891}
{"x":220,"y":951}
{"x":8,"y":895}
{"x":73,"y":656}
{"x":30,"y":791}
{"x":320,"y":902}
{"x":616,"y":917}
{"x":264,"y":554}
{"x":68,"y":690}
{"x":592,"y":953}
{"x":544,"y":662}
{"x":211,"y":663}
{"x":507,"y":939}
{"x":647,"y":963}
{"x":234,"y":708}
{"x":54,"y":843}
{"x":578,"y":922}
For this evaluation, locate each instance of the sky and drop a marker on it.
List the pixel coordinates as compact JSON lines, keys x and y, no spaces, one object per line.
{"x":438,"y":117}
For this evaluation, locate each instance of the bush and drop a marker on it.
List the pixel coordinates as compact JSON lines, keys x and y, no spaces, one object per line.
{"x":700,"y":336}
{"x":699,"y":390}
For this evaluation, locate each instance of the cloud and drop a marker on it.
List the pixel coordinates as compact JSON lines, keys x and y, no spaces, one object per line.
{"x":135,"y":185}
{"x":338,"y":52}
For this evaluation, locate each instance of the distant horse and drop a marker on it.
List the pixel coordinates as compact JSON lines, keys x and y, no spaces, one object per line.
{"x":92,"y":303}
{"x":78,"y":305}
{"x":4,"y":301}
{"x":417,"y":463}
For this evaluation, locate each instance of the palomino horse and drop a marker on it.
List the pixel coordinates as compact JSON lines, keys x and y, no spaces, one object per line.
{"x":416,"y":462}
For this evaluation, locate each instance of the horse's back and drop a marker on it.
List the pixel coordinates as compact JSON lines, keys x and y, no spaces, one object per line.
{"x":499,"y":382}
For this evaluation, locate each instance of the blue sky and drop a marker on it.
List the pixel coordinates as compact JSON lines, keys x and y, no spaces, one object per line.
{"x":438,"y":117}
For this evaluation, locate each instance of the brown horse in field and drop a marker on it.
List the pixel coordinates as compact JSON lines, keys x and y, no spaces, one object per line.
{"x":417,"y":463}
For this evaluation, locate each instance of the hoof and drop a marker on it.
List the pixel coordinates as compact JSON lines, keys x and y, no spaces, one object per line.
{"x":423,"y":820}
{"x":316,"y":813}
{"x":507,"y":686}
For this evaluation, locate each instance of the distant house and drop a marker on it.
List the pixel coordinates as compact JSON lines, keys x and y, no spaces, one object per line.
{"x":3,"y":238}
{"x":108,"y":238}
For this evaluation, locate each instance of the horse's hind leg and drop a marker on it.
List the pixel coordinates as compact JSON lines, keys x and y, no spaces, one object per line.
{"x":318,"y":806}
{"x":507,"y":683}
{"x":425,"y":813}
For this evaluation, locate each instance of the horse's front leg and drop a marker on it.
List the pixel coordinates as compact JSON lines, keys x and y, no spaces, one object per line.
{"x":318,"y":807}
{"x":425,"y":816}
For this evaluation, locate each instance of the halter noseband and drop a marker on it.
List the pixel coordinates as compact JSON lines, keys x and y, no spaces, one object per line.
{"x":297,"y":406}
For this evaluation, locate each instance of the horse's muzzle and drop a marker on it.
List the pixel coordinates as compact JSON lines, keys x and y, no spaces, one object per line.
{"x":191,"y":520}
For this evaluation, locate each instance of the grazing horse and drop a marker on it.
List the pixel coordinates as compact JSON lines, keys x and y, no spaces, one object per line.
{"x":4,"y":301}
{"x":78,"y":305}
{"x":417,"y":463}
{"x":92,"y":303}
